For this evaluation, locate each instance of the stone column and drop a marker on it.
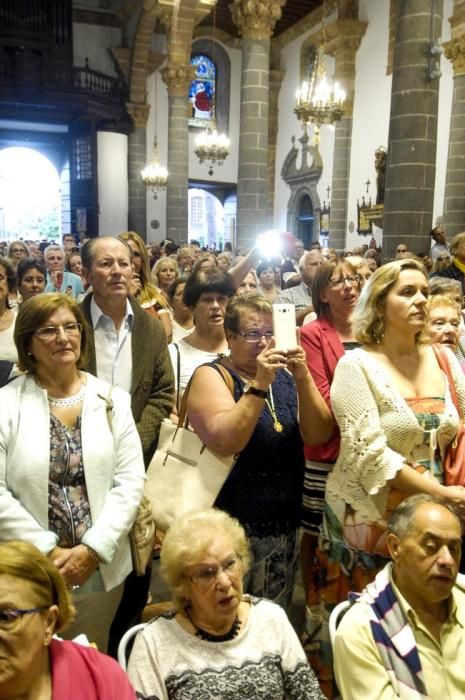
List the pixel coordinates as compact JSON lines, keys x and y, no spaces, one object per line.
{"x":177,"y":78}
{"x":344,"y":37}
{"x":276,"y":78}
{"x":255,"y":21}
{"x":137,"y":160}
{"x":454,"y":198}
{"x":411,"y":165}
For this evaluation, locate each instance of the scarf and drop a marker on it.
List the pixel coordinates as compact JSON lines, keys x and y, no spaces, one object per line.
{"x":394,"y":638}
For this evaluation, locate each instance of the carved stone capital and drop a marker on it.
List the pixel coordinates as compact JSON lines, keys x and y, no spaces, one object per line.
{"x":256,"y":19}
{"x":139,"y":113}
{"x":178,"y":78}
{"x":454,"y":50}
{"x":344,"y":37}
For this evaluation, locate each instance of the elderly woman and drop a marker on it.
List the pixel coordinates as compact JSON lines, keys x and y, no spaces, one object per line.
{"x":148,"y":296}
{"x":335,"y":290}
{"x":275,"y":408}
{"x":183,"y":321}
{"x":17,"y":250}
{"x":7,"y":315}
{"x":443,"y":316}
{"x":60,"y":487}
{"x":206,"y":294}
{"x":396,"y":418}
{"x":35,"y":605}
{"x":227,"y":645}
{"x":249,"y":284}
{"x":31,"y":277}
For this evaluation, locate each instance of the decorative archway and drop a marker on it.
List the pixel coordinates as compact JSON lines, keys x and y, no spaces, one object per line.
{"x":303,"y":207}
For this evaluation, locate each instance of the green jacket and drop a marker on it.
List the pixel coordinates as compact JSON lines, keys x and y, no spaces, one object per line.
{"x":152,"y":385}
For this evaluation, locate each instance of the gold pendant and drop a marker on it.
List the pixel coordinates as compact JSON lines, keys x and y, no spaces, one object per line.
{"x":278,"y":426}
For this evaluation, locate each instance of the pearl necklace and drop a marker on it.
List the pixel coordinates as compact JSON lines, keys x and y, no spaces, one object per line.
{"x":68,"y":401}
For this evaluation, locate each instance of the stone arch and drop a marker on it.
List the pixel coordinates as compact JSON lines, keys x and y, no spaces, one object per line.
{"x":140,"y":57}
{"x":294,"y":205}
{"x":215,"y":51}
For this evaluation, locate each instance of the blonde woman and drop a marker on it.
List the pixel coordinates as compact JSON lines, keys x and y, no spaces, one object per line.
{"x":148,"y":296}
{"x":393,"y":438}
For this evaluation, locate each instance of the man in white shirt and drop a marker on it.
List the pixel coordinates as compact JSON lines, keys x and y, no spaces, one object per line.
{"x":127,"y":348}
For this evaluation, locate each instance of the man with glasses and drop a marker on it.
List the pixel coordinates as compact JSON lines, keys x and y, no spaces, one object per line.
{"x":59,"y":279}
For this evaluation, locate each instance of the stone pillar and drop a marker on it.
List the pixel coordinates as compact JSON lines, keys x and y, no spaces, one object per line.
{"x":454,"y":198}
{"x":137,"y":160}
{"x":276,"y":78}
{"x":255,"y":21}
{"x":344,"y":37}
{"x":177,"y":78}
{"x":411,"y":165}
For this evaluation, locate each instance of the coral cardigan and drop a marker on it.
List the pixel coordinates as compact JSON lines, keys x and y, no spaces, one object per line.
{"x":83,"y":673}
{"x":324,"y":350}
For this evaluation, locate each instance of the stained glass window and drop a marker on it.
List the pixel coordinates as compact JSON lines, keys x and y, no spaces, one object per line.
{"x":202,"y":92}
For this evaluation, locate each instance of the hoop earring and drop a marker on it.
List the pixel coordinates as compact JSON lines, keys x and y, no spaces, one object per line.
{"x":378,"y":330}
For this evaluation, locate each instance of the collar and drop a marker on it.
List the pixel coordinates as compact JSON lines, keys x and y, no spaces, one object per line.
{"x":461,"y":266}
{"x":97,"y":314}
{"x":456,"y":613}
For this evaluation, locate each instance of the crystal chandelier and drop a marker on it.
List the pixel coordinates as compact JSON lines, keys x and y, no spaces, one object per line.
{"x":211,"y":148}
{"x":317,"y":101}
{"x":155,"y":175}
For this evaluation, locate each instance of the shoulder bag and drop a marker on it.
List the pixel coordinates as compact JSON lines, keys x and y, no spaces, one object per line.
{"x":184,"y":474}
{"x":142,"y":532}
{"x":454,"y":458}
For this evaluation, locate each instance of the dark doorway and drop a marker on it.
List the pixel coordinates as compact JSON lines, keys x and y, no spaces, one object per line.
{"x":305,"y":220}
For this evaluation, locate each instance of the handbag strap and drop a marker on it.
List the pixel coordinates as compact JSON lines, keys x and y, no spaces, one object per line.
{"x":443,"y":362}
{"x":108,"y":408}
{"x":178,"y":375}
{"x":228,"y":380}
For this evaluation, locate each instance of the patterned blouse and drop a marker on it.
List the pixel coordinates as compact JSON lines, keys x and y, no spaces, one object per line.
{"x":68,"y":505}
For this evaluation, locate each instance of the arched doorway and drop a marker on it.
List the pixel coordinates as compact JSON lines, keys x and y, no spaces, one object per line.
{"x":30,"y":195}
{"x":206,"y":218}
{"x":305,"y":220}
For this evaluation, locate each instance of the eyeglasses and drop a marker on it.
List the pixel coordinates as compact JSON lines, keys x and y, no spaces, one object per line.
{"x":17,"y":250}
{"x":71,"y":330}
{"x":340,"y":281}
{"x":255,"y":336}
{"x":205,"y":575}
{"x":10,"y":617}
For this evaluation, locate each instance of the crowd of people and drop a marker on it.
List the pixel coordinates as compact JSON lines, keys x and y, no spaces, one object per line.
{"x":342,"y":450}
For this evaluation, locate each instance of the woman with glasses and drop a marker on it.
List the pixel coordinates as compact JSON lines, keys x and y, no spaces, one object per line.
{"x":396,"y":418}
{"x":35,"y":605}
{"x":216,"y":642}
{"x":71,"y":467}
{"x":275,"y":408}
{"x":335,"y":290}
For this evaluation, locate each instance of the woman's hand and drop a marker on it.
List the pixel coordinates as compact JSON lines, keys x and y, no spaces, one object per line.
{"x":75,"y":564}
{"x":134,"y":284}
{"x":297,"y":363}
{"x":268,"y":361}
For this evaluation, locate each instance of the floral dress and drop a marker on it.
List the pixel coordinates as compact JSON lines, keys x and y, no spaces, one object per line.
{"x":68,"y":504}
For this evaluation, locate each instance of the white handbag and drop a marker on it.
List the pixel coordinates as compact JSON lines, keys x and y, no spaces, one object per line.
{"x":184,"y":474}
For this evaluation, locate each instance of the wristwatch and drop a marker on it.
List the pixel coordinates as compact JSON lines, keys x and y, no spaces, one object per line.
{"x":251,"y":389}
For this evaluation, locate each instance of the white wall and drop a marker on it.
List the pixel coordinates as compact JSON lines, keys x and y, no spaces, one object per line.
{"x":112,"y":172}
{"x":93,"y":42}
{"x":372,"y":105}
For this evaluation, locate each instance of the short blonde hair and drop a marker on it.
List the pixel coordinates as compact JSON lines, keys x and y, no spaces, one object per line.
{"x":23,"y":561}
{"x":188,"y":539}
{"x":435,"y":301}
{"x":456,"y":241}
{"x":369,"y":310}
{"x":240,"y":304}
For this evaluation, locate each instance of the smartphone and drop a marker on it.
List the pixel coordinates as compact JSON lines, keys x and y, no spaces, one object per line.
{"x":284,"y":326}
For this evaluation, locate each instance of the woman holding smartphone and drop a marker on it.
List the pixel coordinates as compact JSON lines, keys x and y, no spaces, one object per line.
{"x":270,"y":414}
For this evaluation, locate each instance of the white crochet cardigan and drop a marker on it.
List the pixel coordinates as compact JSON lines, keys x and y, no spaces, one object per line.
{"x":378,"y":431}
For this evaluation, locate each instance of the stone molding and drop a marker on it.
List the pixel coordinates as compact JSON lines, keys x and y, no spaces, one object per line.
{"x":177,"y":78}
{"x":454,"y":50}
{"x":343,"y":41}
{"x":256,"y":19}
{"x":139,"y":113}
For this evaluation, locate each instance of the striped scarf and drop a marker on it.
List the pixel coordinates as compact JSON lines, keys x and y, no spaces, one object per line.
{"x":394,"y":637}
